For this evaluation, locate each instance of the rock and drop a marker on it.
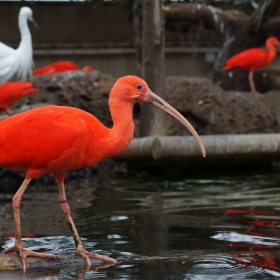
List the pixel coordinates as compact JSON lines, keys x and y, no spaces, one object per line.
{"x":208,"y":107}
{"x":211,"y":110}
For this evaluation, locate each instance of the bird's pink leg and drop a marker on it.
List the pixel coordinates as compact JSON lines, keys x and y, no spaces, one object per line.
{"x":81,"y":252}
{"x":22,"y":252}
{"x":8,"y":110}
{"x":252,"y":85}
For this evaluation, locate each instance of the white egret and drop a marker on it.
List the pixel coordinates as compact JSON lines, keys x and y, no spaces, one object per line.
{"x":18,"y":61}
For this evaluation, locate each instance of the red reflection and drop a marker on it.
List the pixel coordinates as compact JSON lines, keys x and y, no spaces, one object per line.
{"x":23,"y":235}
{"x":247,"y":211}
{"x":263,"y":223}
{"x":259,"y":254}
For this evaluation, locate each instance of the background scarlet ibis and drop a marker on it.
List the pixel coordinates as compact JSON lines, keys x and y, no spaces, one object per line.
{"x":10,"y":92}
{"x":59,"y":66}
{"x":252,"y":59}
{"x":56,"y":139}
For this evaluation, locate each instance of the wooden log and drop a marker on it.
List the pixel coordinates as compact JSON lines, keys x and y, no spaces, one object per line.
{"x":12,"y":262}
{"x":219,"y":149}
{"x":139,"y":148}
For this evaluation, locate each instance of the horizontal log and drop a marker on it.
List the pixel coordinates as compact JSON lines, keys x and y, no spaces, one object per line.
{"x":219,"y":148}
{"x":10,"y":262}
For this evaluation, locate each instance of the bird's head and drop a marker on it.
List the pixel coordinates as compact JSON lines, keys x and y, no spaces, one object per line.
{"x":134,"y":89}
{"x":26,"y":12}
{"x":273,"y":41}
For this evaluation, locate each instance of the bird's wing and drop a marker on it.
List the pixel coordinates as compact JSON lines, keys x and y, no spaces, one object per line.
{"x":248,"y":59}
{"x":8,"y":63}
{"x":56,"y":67}
{"x":10,"y":92}
{"x":48,"y":69}
{"x":40,"y":137}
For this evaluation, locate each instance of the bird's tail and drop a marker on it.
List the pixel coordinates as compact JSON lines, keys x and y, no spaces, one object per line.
{"x":227,"y":67}
{"x":26,"y":87}
{"x":29,"y":89}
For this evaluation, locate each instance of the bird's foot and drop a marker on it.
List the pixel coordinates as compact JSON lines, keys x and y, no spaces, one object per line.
{"x":86,"y":255}
{"x":258,"y":93}
{"x":24,"y":253}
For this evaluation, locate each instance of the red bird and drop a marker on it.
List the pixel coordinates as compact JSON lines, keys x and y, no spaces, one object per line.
{"x":10,"y":92}
{"x":60,"y":66}
{"x":252,"y":59}
{"x":56,"y":139}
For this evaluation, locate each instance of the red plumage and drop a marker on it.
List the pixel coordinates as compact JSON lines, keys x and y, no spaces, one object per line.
{"x":249,"y":59}
{"x":53,"y":139}
{"x":59,"y":66}
{"x":10,"y":92}
{"x":252,"y":59}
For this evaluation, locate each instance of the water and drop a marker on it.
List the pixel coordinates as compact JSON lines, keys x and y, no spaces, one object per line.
{"x":212,"y":226}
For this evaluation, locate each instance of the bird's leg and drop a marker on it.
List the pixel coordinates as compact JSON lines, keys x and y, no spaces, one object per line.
{"x":252,"y":85}
{"x":8,"y":110}
{"x":18,"y":248}
{"x":81,"y":252}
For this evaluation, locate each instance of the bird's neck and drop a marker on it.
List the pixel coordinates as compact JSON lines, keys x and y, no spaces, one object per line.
{"x":25,"y":53}
{"x":123,"y":126}
{"x":25,"y":33}
{"x":271,"y":51}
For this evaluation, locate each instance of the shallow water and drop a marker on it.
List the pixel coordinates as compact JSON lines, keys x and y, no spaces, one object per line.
{"x":211,"y":226}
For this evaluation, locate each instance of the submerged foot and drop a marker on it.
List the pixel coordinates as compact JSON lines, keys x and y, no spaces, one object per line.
{"x":24,"y":253}
{"x":86,"y":255}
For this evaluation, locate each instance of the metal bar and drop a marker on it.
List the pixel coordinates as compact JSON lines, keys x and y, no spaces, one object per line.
{"x":115,"y":51}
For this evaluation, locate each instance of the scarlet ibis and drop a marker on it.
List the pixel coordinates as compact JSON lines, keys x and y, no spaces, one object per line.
{"x":18,"y":61}
{"x":10,"y":92}
{"x":56,"y":139}
{"x":59,"y":66}
{"x":252,"y":59}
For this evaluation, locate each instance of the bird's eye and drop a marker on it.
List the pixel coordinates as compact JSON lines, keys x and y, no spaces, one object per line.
{"x":139,"y":86}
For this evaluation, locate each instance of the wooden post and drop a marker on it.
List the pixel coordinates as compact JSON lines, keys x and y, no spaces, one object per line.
{"x":153,"y":69}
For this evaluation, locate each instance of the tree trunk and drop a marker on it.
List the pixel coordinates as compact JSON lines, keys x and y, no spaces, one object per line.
{"x":152,"y":119}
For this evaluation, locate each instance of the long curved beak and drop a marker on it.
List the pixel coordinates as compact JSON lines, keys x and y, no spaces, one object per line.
{"x":34,"y":22}
{"x":155,"y":100}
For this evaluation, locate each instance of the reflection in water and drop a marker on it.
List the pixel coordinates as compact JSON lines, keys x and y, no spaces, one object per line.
{"x":226,"y":227}
{"x":246,"y":238}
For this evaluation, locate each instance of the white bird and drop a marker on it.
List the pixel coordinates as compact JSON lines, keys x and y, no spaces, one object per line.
{"x":18,"y":61}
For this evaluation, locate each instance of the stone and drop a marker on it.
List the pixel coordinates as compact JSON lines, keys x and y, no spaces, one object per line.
{"x":211,"y":110}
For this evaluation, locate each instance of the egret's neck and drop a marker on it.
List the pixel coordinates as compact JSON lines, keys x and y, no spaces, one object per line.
{"x":123,"y":126}
{"x":26,"y":40}
{"x":24,"y":51}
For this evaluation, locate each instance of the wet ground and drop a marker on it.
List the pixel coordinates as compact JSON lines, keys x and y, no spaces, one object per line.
{"x":209,"y":225}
